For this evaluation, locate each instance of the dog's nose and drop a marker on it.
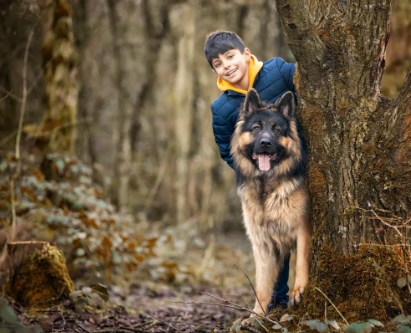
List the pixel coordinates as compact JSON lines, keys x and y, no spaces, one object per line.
{"x":265,"y":143}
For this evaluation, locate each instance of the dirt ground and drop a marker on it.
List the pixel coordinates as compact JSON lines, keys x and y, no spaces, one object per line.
{"x":148,"y":310}
{"x":150,"y":306}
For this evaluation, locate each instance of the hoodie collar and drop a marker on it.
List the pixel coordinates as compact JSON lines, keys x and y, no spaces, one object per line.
{"x":254,"y":67}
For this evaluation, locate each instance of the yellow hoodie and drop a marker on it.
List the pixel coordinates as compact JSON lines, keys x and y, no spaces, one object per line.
{"x":254,"y":67}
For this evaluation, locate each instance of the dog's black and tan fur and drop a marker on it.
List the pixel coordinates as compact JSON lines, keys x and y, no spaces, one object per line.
{"x":271,"y":182}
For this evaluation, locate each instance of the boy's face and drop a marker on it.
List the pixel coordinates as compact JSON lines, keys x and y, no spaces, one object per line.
{"x":232,"y":67}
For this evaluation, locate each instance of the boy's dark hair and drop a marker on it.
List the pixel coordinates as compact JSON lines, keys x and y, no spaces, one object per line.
{"x":219,"y":42}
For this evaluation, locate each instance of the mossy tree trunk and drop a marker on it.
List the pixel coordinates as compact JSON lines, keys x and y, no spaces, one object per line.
{"x":360,"y":153}
{"x":57,"y":132}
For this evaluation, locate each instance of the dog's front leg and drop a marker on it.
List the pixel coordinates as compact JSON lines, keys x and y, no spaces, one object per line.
{"x":267,"y":271}
{"x":302,"y":265}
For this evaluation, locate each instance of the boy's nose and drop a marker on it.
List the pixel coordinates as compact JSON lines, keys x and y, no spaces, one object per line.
{"x":226,"y":64}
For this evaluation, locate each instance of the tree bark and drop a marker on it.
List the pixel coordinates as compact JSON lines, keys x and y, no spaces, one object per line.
{"x":58,"y":130}
{"x":359,"y":148}
{"x":184,"y":97}
{"x":122,"y":48}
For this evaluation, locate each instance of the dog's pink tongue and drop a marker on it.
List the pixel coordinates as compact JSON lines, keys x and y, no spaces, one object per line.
{"x":263,"y":162}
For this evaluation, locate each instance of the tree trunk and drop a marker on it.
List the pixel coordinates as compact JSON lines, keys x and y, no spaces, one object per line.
{"x":359,"y":147}
{"x":184,"y":97}
{"x":57,"y":132}
{"x":123,"y":48}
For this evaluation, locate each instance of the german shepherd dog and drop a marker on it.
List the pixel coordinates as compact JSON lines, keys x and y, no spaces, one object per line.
{"x":268,"y":150}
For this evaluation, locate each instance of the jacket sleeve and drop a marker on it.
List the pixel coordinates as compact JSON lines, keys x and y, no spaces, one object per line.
{"x":223,"y":130}
{"x":287,"y":71}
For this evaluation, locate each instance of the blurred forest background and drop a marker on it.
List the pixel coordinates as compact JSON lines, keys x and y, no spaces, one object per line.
{"x":136,"y":121}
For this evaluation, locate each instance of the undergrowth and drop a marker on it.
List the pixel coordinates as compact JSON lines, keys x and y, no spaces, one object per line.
{"x":60,"y":202}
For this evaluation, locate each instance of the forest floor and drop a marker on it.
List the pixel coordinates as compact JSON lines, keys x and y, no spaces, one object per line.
{"x":145,"y":305}
{"x":156,"y":277}
{"x":159,"y":309}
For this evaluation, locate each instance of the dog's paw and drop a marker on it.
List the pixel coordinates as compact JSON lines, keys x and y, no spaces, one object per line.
{"x":296,"y":297}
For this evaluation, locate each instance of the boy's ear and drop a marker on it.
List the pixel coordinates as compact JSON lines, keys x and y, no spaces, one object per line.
{"x":251,"y":103}
{"x":247,"y":54}
{"x":286,"y":104}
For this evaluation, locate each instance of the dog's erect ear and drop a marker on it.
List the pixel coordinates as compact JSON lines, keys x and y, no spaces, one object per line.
{"x":251,"y":103}
{"x":286,"y":104}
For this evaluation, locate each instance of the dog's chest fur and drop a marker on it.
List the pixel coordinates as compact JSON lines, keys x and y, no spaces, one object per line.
{"x":270,"y":208}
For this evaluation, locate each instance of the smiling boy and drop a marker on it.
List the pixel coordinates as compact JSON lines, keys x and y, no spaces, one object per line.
{"x":238,"y":71}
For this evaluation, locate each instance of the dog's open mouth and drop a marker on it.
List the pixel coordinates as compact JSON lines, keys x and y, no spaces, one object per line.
{"x":264,"y":161}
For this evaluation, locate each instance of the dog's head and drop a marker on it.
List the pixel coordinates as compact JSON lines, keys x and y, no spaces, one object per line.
{"x":264,"y":132}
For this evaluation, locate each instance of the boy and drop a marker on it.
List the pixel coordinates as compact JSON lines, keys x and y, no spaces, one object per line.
{"x":238,"y":70}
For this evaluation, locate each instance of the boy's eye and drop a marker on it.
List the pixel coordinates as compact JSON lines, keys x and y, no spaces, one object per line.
{"x":216,"y":65}
{"x":230,"y":56}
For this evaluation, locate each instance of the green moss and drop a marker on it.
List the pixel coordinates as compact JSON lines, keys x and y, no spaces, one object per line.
{"x":361,"y":286}
{"x":42,"y":280}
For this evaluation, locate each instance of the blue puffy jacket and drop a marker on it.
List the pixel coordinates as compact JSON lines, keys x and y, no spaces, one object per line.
{"x":271,"y":82}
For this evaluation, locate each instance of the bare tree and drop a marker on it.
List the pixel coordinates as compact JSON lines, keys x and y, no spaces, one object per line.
{"x":124,"y":51}
{"x":360,"y":149}
{"x":184,"y":97}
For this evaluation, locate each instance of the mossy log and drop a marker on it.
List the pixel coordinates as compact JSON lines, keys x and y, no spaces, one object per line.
{"x":41,"y":280}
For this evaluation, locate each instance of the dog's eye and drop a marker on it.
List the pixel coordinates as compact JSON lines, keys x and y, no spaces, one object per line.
{"x":276,"y":130}
{"x":256,"y":127}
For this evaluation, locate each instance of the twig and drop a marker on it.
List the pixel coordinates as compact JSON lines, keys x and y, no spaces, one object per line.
{"x":121,"y":329}
{"x":255,"y":293}
{"x":9,"y":93}
{"x":24,"y":99}
{"x":240,"y":307}
{"x":333,"y":305}
{"x":62,"y":316}
{"x":162,"y":321}
{"x":249,"y":329}
{"x":13,"y":229}
{"x":83,"y":328}
{"x":6,"y":95}
{"x":387,"y":221}
{"x":404,"y":253}
{"x":257,"y":315}
{"x":8,"y":138}
{"x":231,"y":305}
{"x":381,"y":245}
{"x":27,"y":242}
{"x":18,"y":139}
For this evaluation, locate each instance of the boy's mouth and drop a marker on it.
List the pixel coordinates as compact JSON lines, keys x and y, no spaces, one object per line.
{"x":231,"y":72}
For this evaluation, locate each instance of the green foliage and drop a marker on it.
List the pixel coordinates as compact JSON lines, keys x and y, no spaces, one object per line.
{"x":93,"y":296}
{"x":361,"y":327}
{"x":64,"y":205}
{"x":10,"y":322}
{"x":7,"y":313}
